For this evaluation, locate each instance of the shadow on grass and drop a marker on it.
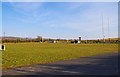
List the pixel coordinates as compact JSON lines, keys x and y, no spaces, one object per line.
{"x":106,"y":65}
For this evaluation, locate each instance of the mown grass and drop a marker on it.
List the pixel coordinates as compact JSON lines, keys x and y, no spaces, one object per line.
{"x":22,"y":54}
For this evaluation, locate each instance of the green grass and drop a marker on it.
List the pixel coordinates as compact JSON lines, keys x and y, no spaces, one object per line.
{"x":22,"y":54}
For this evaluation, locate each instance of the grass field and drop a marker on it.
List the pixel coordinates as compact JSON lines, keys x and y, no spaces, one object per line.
{"x":22,"y":54}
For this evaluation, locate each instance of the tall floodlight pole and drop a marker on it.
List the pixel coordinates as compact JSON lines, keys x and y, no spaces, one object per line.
{"x":108,"y":30}
{"x":20,"y":37}
{"x":86,"y":38}
{"x":4,"y":36}
{"x":103,"y":30}
{"x":25,"y":37}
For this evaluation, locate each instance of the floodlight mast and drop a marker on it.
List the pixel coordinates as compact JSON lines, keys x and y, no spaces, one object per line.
{"x":86,"y":39}
{"x":3,"y":36}
{"x":108,"y":30}
{"x":103,"y":30}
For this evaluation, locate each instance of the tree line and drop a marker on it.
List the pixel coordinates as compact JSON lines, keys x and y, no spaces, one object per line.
{"x":49,"y":40}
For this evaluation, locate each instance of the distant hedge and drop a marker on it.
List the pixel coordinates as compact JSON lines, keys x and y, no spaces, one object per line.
{"x":59,"y":41}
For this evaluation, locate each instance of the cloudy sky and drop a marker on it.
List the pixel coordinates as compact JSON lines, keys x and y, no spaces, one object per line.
{"x":60,"y":19}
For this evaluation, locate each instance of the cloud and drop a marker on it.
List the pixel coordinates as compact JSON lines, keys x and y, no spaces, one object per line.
{"x":30,"y":12}
{"x":78,"y":5}
{"x":26,"y":8}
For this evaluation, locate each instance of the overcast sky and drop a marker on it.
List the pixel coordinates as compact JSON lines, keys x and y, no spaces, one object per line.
{"x":60,"y":19}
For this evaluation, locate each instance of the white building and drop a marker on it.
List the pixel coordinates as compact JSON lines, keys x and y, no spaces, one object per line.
{"x":78,"y":41}
{"x":54,"y":41}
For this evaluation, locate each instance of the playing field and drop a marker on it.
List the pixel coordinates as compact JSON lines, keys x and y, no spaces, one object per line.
{"x":21,"y":54}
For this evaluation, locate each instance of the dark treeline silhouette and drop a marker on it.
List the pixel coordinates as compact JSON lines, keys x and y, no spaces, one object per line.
{"x":49,"y":40}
